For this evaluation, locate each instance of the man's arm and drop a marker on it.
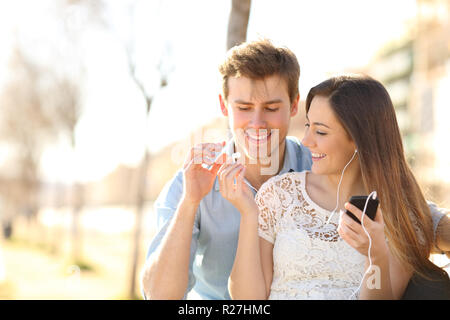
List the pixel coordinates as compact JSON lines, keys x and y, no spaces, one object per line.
{"x":443,"y":235}
{"x":166,"y":272}
{"x":441,"y":228}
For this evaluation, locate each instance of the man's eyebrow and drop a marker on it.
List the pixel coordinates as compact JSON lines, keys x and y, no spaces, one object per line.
{"x":243,"y":102}
{"x":273,"y":101}
{"x":265,"y":103}
{"x":318,"y":123}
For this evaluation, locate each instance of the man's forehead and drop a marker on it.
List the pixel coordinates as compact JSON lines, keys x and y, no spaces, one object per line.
{"x":257,"y":90}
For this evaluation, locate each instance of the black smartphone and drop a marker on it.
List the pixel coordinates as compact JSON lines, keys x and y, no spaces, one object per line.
{"x":360,"y":201}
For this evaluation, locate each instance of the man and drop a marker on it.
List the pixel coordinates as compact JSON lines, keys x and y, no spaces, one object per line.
{"x":198,"y":229}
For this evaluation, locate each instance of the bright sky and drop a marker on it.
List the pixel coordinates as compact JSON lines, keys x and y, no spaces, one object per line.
{"x":327,"y":36}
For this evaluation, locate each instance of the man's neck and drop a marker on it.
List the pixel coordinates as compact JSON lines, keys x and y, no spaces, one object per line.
{"x":253,"y":172}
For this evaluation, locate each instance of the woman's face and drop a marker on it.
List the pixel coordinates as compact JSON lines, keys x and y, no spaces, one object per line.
{"x":330,"y":145}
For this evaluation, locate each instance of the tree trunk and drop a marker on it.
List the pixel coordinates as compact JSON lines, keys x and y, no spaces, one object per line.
{"x":238,"y":22}
{"x":77,"y":205}
{"x":78,"y":202}
{"x":140,"y":206}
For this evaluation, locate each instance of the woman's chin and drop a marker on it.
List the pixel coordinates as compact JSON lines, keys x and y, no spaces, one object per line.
{"x":317,"y":170}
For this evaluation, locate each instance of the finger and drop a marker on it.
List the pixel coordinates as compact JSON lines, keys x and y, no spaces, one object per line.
{"x":187,"y":164}
{"x":223,"y":168}
{"x":348,"y":231}
{"x":348,"y":235}
{"x":232,"y":178}
{"x":229,"y":174}
{"x":358,"y":213}
{"x":222,"y":181}
{"x":350,"y":223}
{"x":197,"y":151}
{"x":211,"y":149}
{"x":199,"y":160}
{"x":233,"y":171}
{"x":232,"y":175}
{"x":212,"y":146}
{"x":223,"y":159}
{"x":227,"y":179}
{"x":218,"y":164}
{"x":240,"y":178}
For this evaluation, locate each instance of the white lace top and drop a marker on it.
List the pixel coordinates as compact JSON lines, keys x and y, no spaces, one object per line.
{"x":310,"y":260}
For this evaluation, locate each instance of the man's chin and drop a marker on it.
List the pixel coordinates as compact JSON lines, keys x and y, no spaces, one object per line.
{"x":256,"y":159}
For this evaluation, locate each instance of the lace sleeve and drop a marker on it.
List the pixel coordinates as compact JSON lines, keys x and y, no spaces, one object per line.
{"x":268,"y":202}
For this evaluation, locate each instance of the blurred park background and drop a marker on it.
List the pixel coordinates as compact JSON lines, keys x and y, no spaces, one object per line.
{"x":100,"y":100}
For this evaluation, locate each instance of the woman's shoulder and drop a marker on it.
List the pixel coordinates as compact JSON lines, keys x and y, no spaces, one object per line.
{"x":284,"y":181}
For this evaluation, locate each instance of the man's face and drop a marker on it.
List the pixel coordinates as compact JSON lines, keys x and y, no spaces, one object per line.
{"x":259,"y":112}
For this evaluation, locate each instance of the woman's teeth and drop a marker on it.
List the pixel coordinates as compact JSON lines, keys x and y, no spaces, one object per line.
{"x":318,"y":156}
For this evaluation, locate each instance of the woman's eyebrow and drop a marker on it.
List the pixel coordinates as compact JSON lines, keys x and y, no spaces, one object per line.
{"x":318,"y":123}
{"x":321,"y":124}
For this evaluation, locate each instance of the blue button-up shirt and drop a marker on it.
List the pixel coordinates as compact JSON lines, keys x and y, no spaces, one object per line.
{"x":216,"y":227}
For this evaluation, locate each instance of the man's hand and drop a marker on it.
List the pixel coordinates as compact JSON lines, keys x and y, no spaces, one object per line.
{"x":198,"y":180}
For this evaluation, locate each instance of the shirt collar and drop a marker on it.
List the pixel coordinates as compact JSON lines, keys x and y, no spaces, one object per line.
{"x":289,"y":163}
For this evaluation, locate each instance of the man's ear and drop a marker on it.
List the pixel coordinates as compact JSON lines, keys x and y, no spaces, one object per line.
{"x":294,"y":106}
{"x":223,"y":107}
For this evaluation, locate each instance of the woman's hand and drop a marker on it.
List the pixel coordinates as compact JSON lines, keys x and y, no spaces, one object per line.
{"x":234,"y":189}
{"x":353,"y":233}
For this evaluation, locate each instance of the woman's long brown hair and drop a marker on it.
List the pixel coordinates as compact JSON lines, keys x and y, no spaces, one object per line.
{"x":365,"y":110}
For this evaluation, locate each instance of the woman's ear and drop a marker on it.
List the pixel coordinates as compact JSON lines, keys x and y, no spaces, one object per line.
{"x":223,"y":107}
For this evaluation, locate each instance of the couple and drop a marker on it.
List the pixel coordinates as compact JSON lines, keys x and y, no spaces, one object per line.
{"x":217,"y":238}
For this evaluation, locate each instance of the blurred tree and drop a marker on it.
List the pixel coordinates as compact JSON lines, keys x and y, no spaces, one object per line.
{"x":66,"y":97}
{"x":163,"y":69}
{"x":238,"y":22}
{"x":74,"y":17}
{"x":26,"y":126}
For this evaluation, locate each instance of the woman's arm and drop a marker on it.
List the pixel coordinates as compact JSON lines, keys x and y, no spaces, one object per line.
{"x":266,"y":249}
{"x":247,"y":277}
{"x":387,"y":278}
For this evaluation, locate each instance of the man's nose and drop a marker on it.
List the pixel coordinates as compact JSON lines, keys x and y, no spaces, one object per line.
{"x":258,"y":120}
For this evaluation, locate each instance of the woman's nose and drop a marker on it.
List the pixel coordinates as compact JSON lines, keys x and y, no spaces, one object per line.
{"x":307,"y":141}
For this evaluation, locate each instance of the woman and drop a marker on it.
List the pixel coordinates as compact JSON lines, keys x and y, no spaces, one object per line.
{"x":356,"y":146}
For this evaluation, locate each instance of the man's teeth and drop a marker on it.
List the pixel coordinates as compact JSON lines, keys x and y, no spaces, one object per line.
{"x":258,"y":137}
{"x":318,"y":155}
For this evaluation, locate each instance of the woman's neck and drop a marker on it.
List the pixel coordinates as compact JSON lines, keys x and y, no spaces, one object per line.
{"x":351,"y":184}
